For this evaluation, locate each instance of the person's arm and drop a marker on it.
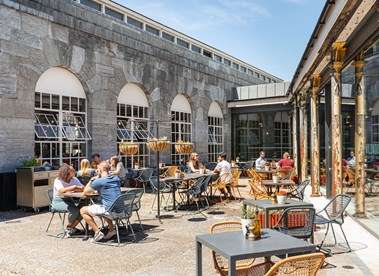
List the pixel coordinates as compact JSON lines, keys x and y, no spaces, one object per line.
{"x":61,"y":189}
{"x":190,"y":165}
{"x":88,"y":190}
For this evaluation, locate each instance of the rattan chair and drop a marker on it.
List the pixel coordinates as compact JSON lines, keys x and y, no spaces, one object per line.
{"x":243,"y":267}
{"x":170,"y":171}
{"x":61,"y":214}
{"x":298,"y":192}
{"x":306,"y":265}
{"x":297,"y":222}
{"x":333,"y":213}
{"x":220,"y":186}
{"x":257,"y":191}
{"x":235,"y":184}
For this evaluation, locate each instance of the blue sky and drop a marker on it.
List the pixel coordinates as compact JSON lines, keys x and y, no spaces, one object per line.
{"x":268,"y":34}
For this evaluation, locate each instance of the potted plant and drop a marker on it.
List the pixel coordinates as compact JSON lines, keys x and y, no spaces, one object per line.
{"x":267,"y":166}
{"x":282,"y":196}
{"x":29,"y":161}
{"x":275,"y":177}
{"x":247,"y":217}
{"x":136,"y":165}
{"x":177,"y":173}
{"x":202,"y":169}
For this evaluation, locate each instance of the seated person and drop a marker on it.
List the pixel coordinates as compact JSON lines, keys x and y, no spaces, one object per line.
{"x":117,"y":168}
{"x":223,"y":167}
{"x":108,"y":188}
{"x":64,"y":183}
{"x":85,"y":169}
{"x":95,"y":160}
{"x":261,"y":160}
{"x":286,"y":161}
{"x":351,"y":159}
{"x":193,"y":163}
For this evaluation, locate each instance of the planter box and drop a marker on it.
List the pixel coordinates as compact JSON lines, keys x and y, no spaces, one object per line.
{"x":294,"y":220}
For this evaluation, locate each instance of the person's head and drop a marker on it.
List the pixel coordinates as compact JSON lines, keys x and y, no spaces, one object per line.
{"x":66,"y":172}
{"x":84,"y":164}
{"x":262,"y":154}
{"x":96,"y":158}
{"x":222,"y":156}
{"x":103,"y":167}
{"x":194,"y":157}
{"x":286,"y":155}
{"x":114,"y":160}
{"x":352,"y":153}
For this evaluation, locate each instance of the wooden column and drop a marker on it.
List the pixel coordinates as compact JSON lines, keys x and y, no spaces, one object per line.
{"x":303,"y":136}
{"x":338,"y":54}
{"x":360,"y":137}
{"x":294,"y":136}
{"x":315,"y":143}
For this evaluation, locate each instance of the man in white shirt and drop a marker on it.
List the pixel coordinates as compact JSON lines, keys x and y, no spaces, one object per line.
{"x":261,"y":160}
{"x":351,"y":159}
{"x":223,"y":167}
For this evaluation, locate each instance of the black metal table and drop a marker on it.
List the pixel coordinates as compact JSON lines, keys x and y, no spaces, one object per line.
{"x":233,"y":246}
{"x":267,"y":205}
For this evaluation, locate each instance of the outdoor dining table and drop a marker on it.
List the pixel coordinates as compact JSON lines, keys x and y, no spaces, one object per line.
{"x":268,"y":172}
{"x":234,"y":246}
{"x":270,"y":183}
{"x":268,"y":205}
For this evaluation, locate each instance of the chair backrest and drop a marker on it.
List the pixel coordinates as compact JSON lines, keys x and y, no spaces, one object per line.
{"x":219,"y":262}
{"x":171,"y":170}
{"x":146,"y":174}
{"x":236,"y":177}
{"x":50,"y":194}
{"x":198,"y":185}
{"x":299,"y":191}
{"x":287,"y":173}
{"x":137,"y":200}
{"x":206,"y":182}
{"x":257,"y":191}
{"x":154,"y":184}
{"x":297,"y":222}
{"x":336,"y":207}
{"x":306,"y":265}
{"x":351,"y":176}
{"x":84,"y":179}
{"x":122,"y":206}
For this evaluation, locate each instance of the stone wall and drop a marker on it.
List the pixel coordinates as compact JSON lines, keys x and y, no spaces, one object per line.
{"x":105,"y":54}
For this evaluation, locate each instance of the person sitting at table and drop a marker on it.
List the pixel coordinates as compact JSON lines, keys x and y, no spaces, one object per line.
{"x":67,"y":182}
{"x":261,"y":160}
{"x":193,"y":163}
{"x":223,"y":167}
{"x":108,"y":188}
{"x":85,"y":169}
{"x":286,"y":161}
{"x":117,"y":168}
{"x":95,"y":160}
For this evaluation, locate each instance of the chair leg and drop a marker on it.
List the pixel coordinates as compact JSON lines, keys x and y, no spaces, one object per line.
{"x":348,"y":245}
{"x":131,"y":228}
{"x":139,"y":219}
{"x":63,"y":230}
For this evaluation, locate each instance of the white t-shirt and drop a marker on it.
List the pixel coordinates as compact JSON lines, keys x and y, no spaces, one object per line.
{"x":60,"y":184}
{"x":224,"y":167}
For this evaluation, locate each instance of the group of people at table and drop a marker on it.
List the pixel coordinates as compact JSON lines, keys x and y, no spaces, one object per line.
{"x":105,"y":180}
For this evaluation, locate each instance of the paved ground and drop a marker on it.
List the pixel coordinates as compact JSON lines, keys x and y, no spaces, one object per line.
{"x":166,"y":248}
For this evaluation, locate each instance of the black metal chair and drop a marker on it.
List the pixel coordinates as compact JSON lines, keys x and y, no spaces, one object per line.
{"x":144,"y":177}
{"x":333,"y":213}
{"x":84,"y":179}
{"x":120,"y":210}
{"x":62,"y":216}
{"x":164,"y":188}
{"x":298,"y":192}
{"x":246,"y":167}
{"x":297,"y":222}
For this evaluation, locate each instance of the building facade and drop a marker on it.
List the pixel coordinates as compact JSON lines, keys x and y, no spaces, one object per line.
{"x":79,"y":77}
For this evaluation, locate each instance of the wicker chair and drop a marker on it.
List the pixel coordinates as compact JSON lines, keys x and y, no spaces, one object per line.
{"x":257,"y":191}
{"x":243,"y":267}
{"x":220,"y":185}
{"x":170,"y":171}
{"x":235,"y":184}
{"x":306,"y":265}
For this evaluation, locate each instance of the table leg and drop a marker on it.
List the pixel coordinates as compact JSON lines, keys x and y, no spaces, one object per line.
{"x":232,"y":266}
{"x":173,"y":196}
{"x":86,"y":227}
{"x":199,"y":265}
{"x":267,"y":215}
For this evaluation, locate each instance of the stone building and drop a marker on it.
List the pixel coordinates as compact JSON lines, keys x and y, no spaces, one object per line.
{"x":78,"y":77}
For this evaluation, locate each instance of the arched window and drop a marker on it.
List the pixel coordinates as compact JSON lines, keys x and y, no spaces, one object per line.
{"x":60,"y":118}
{"x":282,"y":141}
{"x":132,"y":122}
{"x":215,"y":132}
{"x":180,"y":127}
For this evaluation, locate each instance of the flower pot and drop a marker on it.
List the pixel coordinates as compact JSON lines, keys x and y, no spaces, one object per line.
{"x":245,"y":222}
{"x":267,"y":168}
{"x":281,"y":199}
{"x":275,"y":178}
{"x":136,"y":167}
{"x":201,"y":171}
{"x":177,"y":175}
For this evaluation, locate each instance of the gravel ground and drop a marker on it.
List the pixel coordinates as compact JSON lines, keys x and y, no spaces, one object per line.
{"x":167,"y":247}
